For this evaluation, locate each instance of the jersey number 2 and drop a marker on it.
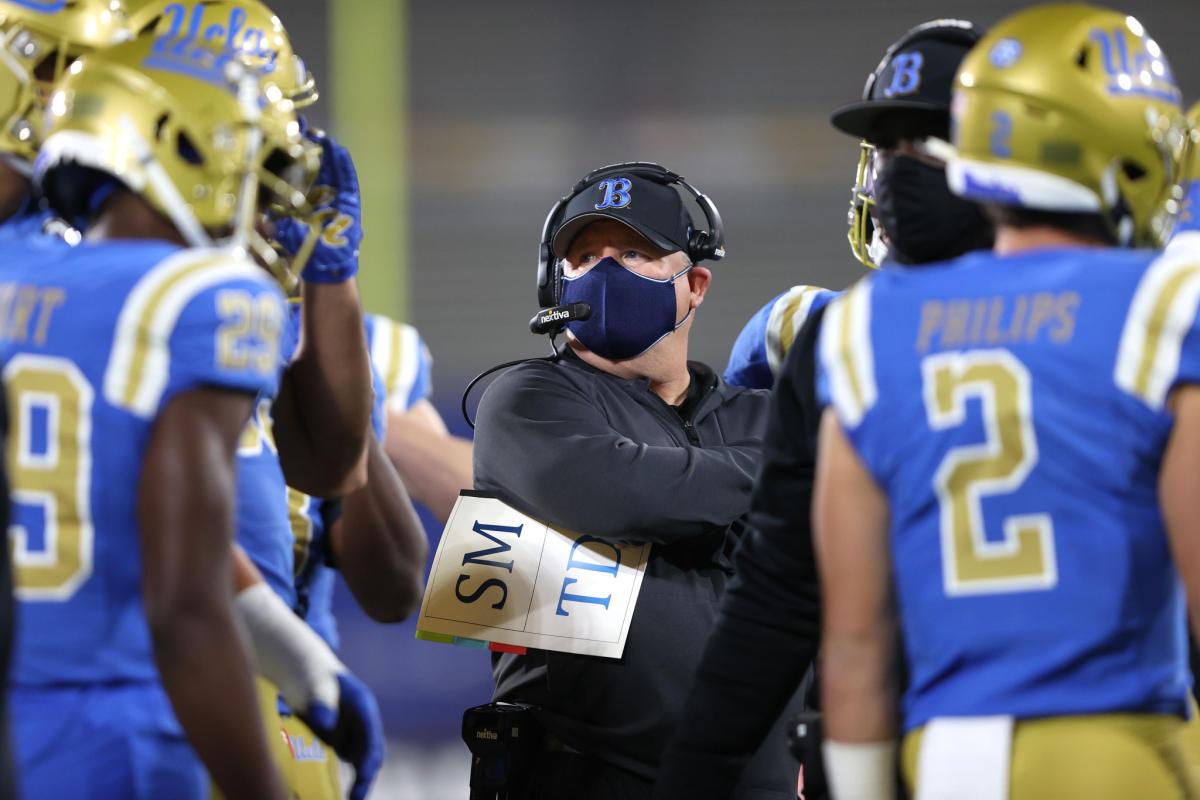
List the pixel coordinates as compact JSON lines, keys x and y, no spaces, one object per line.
{"x":50,"y":466}
{"x":1022,"y":559}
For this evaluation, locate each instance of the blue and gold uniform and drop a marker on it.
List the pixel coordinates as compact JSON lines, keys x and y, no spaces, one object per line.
{"x":401,"y":366}
{"x":264,"y":529}
{"x":398,"y":353}
{"x":402,"y":360}
{"x":1013,"y":411}
{"x":95,"y":341}
{"x":761,"y":347}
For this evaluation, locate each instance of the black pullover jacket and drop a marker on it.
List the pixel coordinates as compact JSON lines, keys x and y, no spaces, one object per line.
{"x":768,"y":629}
{"x":600,"y":455}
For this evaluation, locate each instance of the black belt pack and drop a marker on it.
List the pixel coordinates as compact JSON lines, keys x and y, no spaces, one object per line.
{"x":505,"y":742}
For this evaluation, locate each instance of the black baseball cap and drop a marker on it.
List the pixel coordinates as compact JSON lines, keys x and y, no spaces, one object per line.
{"x":916,"y":74}
{"x":653,"y":209}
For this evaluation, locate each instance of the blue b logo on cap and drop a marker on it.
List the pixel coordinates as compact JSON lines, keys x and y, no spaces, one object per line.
{"x":616,"y":193}
{"x":907,"y":76}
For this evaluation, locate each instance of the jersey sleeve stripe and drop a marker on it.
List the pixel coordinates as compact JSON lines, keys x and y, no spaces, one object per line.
{"x":1162,"y":312}
{"x":787,"y":317}
{"x":380,"y":342}
{"x":139,"y":363}
{"x":847,"y":354}
{"x":401,"y":385}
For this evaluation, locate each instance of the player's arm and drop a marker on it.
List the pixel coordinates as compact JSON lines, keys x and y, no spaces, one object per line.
{"x":1178,"y":497}
{"x":379,"y":544}
{"x":322,"y":415}
{"x":185,"y":514}
{"x":338,"y":707}
{"x":850,"y":529}
{"x":433,"y":465}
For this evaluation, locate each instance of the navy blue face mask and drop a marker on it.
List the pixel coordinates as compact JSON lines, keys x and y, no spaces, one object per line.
{"x":630,"y":312}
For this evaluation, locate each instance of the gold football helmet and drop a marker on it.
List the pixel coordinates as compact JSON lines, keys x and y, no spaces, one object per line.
{"x":1072,"y":108}
{"x":38,"y":40}
{"x":188,"y":129}
{"x":246,"y":27}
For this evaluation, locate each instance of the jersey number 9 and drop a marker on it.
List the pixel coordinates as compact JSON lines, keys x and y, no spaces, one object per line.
{"x":1023,"y":558}
{"x":50,"y":467}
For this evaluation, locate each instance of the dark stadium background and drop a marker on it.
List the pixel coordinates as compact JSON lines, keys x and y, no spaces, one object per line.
{"x":472,"y":116}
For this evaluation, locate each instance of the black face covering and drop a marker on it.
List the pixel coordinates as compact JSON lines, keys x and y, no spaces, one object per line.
{"x":925,"y":221}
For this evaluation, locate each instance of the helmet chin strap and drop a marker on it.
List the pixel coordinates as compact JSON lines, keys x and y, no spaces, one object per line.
{"x":1121,"y":224}
{"x":18,"y":165}
{"x":877,"y":250}
{"x":156,"y":176}
{"x":248,"y":94}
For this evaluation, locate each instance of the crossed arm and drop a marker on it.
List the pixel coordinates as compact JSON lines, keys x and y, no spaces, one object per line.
{"x":544,"y":448}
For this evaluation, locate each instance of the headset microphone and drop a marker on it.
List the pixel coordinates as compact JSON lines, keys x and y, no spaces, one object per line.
{"x":555,"y":319}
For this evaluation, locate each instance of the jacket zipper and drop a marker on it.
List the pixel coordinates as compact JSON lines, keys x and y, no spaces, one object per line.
{"x":688,"y":427}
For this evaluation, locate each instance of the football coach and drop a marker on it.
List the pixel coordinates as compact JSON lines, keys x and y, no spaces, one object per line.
{"x":622,"y":438}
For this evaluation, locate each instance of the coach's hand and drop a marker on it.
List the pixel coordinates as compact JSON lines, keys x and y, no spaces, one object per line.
{"x":338,"y":214}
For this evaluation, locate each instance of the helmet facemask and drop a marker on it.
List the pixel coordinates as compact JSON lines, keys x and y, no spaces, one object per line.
{"x":866,"y":237}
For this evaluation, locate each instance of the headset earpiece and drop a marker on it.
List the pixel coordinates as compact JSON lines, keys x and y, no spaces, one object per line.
{"x":698,"y":246}
{"x":547,"y":276}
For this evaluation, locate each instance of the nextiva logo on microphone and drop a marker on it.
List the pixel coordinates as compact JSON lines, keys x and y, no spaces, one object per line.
{"x":554,"y":316}
{"x":486,"y":734}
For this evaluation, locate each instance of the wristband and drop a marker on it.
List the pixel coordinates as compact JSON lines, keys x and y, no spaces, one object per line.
{"x":860,"y":771}
{"x":289,"y":653}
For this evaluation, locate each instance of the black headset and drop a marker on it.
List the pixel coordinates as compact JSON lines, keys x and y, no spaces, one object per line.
{"x":701,"y":246}
{"x":951,"y":31}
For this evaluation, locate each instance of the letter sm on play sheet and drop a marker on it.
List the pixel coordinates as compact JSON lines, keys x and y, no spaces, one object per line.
{"x":504,"y":581}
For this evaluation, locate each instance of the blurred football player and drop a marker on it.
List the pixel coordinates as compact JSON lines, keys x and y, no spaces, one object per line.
{"x":757,"y":656}
{"x":374,"y":537}
{"x":41,"y":41}
{"x":434,"y":465}
{"x":901,"y":209}
{"x":322,"y":413}
{"x":132,"y":363}
{"x":313,"y":434}
{"x":1007,"y":465}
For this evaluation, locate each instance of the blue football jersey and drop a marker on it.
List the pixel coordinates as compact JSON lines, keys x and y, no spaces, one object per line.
{"x":264,"y":529}
{"x":94,"y":341}
{"x":761,"y":347}
{"x":401,"y":357}
{"x":28,"y":222}
{"x":400,"y":366}
{"x":1012,"y":409}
